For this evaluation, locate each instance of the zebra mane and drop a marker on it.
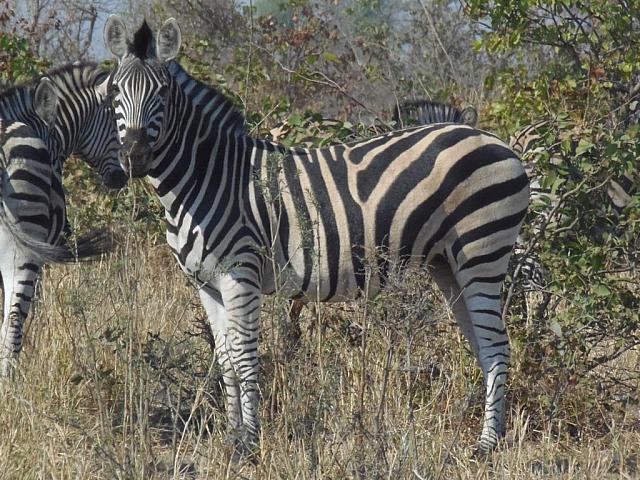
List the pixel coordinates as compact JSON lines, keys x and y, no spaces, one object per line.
{"x":235,"y":119}
{"x":426,"y":112}
{"x":143,"y":45}
{"x":82,"y":72}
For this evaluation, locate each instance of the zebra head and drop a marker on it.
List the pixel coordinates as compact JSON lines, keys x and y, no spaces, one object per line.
{"x":85,"y":123}
{"x":98,"y":141}
{"x":140,"y":87}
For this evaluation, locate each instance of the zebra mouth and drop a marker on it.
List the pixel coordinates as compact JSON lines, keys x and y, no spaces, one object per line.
{"x":115,"y":179}
{"x":137,"y":166}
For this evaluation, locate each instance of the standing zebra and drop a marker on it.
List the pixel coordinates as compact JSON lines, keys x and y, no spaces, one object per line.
{"x":246,"y":215}
{"x":33,"y":200}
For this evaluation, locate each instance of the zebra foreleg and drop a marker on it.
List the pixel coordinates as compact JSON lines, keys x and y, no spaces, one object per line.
{"x":19,"y":274}
{"x":233,"y":315}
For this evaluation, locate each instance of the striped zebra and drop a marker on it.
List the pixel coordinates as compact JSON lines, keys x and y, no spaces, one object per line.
{"x":246,"y":216}
{"x":33,"y":200}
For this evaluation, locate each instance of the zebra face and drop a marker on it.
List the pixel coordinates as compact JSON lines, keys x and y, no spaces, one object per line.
{"x":139,"y":101}
{"x":99,"y":144}
{"x":140,"y":88}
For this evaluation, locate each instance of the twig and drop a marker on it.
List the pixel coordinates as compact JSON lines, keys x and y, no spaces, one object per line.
{"x":432,"y":24}
{"x":326,"y":81}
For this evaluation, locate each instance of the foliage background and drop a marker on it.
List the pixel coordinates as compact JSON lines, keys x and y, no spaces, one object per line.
{"x":328,"y":71}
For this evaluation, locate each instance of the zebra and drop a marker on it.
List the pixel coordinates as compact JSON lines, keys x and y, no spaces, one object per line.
{"x":246,"y":215}
{"x":33,"y":199}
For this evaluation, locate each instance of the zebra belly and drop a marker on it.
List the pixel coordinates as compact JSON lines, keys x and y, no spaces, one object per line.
{"x":314,"y":277}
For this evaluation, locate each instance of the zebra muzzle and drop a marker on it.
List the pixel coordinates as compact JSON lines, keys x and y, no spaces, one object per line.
{"x":137,"y":153}
{"x":116,"y":179}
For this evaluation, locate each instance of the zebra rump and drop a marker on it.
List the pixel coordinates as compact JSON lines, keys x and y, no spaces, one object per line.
{"x":86,"y":246}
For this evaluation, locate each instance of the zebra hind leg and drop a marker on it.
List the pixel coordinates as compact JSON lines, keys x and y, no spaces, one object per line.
{"x":493,"y":355}
{"x":448,"y":284}
{"x":479,"y":318}
{"x":19,"y":276}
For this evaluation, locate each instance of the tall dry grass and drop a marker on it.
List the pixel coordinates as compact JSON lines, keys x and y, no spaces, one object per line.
{"x":116,"y":381}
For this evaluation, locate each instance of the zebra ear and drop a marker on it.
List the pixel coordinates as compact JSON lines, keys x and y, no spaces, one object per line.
{"x":169,"y":40}
{"x":115,"y":36}
{"x":469,"y":116}
{"x":45,"y":101}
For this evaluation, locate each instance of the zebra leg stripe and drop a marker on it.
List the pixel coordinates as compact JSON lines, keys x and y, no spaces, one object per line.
{"x":234,"y":322}
{"x":493,"y":355}
{"x":19,"y":275}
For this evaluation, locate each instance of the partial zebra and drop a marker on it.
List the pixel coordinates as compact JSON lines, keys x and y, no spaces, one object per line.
{"x":246,"y":216}
{"x":424,"y":112}
{"x":33,"y":201}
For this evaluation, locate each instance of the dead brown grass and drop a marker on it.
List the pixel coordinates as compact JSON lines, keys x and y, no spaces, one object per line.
{"x":115,"y":382}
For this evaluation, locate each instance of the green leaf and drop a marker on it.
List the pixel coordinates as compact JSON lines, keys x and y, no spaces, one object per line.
{"x":584,"y":146}
{"x":294,"y":119}
{"x":330,"y":57}
{"x":602,"y":291}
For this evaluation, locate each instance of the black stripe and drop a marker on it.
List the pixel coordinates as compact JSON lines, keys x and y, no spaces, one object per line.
{"x":488,"y":258}
{"x":26,"y":176}
{"x":324,"y":208}
{"x":302,"y":212}
{"x":495,"y":279}
{"x":486,"y":229}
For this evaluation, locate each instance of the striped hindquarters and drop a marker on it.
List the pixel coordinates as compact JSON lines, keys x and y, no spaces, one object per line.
{"x":26,"y":182}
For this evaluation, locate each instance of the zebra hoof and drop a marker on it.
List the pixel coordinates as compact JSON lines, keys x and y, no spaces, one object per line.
{"x":481,"y":452}
{"x":244,"y":447}
{"x":483,"y":449}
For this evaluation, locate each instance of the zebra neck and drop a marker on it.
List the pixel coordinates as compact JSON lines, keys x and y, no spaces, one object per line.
{"x":17,"y":105}
{"x":200,"y":159}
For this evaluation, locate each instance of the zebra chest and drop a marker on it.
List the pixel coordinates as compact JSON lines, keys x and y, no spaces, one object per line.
{"x":199,"y":255}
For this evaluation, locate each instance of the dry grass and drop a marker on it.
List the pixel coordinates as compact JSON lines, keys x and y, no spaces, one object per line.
{"x":115,"y":383}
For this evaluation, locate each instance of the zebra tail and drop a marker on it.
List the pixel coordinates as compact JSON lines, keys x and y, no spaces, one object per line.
{"x":93,"y":244}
